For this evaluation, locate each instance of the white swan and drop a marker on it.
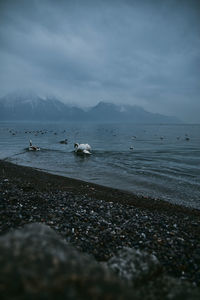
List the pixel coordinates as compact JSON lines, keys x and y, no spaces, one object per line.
{"x":33,"y":148}
{"x":82,"y":148}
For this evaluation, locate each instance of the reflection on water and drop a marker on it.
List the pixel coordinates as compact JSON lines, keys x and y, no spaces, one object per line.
{"x":161,"y":161}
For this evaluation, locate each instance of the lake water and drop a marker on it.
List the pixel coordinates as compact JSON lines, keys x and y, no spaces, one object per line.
{"x":164,"y":163}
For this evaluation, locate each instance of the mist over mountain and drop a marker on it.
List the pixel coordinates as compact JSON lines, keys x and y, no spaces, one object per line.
{"x":126,"y":113}
{"x":31,"y":107}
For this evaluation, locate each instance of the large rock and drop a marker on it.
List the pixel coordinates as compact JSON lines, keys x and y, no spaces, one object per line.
{"x":36,"y":263}
{"x":144,"y":273}
{"x":135,"y":266}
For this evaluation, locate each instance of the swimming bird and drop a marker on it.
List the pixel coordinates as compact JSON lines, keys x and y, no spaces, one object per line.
{"x":63,"y":141}
{"x":82,"y":148}
{"x":33,"y":148}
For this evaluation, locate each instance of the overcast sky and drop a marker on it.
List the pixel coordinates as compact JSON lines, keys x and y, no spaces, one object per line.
{"x":138,"y":52}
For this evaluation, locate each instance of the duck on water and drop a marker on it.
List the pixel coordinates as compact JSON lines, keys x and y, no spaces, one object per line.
{"x":65,"y":141}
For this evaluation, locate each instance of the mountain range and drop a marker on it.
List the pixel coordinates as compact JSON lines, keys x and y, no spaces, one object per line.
{"x":31,"y":107}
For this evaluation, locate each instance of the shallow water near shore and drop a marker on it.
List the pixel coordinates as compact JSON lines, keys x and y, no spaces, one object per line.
{"x":164,"y":162}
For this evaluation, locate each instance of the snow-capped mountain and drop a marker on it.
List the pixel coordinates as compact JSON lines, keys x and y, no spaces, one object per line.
{"x":30,"y":107}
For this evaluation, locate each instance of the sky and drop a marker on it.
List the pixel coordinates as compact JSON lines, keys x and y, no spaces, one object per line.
{"x":139,"y":52}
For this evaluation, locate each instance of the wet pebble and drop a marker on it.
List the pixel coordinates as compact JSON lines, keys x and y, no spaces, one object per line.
{"x":102,"y":228}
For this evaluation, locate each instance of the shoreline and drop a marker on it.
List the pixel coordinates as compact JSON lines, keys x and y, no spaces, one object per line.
{"x":99,"y":220}
{"x":93,"y":190}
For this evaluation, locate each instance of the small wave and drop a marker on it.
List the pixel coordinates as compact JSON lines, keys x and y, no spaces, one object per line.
{"x":113,"y":153}
{"x":13,"y":155}
{"x":53,"y":150}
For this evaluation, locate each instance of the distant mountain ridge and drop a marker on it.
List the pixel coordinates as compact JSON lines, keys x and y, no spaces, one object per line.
{"x":30,"y":107}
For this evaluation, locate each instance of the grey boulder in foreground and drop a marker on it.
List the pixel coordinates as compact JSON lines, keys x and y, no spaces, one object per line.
{"x":36,"y":263}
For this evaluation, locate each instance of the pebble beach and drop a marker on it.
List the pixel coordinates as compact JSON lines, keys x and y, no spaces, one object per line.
{"x":99,"y":220}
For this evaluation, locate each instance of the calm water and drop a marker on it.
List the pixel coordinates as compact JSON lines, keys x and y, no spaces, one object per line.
{"x":163,"y":164}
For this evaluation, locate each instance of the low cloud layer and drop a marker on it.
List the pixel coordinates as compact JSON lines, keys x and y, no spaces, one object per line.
{"x":135,"y":52}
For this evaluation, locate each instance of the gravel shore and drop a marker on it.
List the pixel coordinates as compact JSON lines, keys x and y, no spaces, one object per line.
{"x":100,"y":220}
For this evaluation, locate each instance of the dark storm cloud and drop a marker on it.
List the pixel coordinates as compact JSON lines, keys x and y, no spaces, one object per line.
{"x":137,"y":52}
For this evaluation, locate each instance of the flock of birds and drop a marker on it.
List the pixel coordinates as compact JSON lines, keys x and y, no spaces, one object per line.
{"x":80,"y":149}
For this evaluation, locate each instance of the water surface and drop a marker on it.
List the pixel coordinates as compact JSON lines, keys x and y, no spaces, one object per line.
{"x":164,"y":162}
